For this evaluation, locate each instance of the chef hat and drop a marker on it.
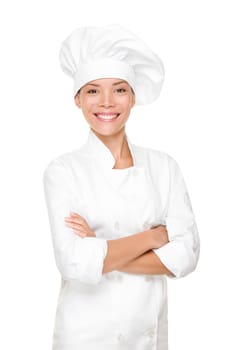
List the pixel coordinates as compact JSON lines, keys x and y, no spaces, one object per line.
{"x":91,"y":53}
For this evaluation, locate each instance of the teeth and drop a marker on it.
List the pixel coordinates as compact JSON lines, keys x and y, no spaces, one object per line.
{"x":107,"y":116}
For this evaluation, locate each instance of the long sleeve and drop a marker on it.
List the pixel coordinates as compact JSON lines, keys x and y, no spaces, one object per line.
{"x":77,"y":258}
{"x":181,"y":254}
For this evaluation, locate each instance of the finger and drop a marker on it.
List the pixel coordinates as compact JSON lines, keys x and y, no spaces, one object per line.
{"x":77,"y":216}
{"x":74,"y":226}
{"x":74,"y":220}
{"x":80,"y":233}
{"x":78,"y":228}
{"x":72,"y":214}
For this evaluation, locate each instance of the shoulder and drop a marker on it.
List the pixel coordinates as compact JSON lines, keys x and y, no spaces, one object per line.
{"x":163,"y":168}
{"x":66,"y":162}
{"x":154,"y":156}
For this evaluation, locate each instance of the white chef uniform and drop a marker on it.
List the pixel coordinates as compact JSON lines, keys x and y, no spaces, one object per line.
{"x":116,"y":311}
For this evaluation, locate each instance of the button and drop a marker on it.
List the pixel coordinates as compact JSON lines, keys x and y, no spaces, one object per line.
{"x":149,"y":278}
{"x":135,"y":172}
{"x":119,"y":277}
{"x":120,"y":338}
{"x":109,"y":276}
{"x":150,"y":332}
{"x":114,"y":276}
{"x":151,"y":336}
{"x":116,"y":225}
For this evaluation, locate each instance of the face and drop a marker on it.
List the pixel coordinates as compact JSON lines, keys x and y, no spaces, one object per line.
{"x":106,"y":105}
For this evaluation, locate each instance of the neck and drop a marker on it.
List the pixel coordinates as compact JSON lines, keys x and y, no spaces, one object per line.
{"x":117,"y":144}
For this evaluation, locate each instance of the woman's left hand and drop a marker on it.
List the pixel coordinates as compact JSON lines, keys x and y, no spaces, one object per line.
{"x":79,"y":225}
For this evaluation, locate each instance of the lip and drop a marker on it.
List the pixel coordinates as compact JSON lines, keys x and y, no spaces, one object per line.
{"x":107,"y":117}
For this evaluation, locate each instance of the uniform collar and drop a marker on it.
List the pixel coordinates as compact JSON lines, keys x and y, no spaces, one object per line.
{"x":101,"y":154}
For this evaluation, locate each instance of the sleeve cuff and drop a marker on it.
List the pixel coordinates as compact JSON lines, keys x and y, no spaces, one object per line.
{"x":88,"y":257}
{"x":177,"y":258}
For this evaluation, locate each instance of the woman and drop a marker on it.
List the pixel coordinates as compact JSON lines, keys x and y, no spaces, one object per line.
{"x":120,"y":214}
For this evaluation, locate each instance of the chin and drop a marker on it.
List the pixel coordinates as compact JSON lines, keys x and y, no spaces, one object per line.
{"x":108,"y":132}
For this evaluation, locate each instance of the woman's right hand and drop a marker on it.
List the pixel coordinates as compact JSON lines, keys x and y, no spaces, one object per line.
{"x":160,"y":236}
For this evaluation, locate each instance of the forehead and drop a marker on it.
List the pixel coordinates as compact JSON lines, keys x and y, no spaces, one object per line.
{"x":105,"y":82}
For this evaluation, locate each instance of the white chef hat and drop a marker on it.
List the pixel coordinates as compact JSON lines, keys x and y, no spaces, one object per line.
{"x":91,"y":53}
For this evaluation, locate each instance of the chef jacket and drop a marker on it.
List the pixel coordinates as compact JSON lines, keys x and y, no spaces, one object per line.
{"x":116,"y":310}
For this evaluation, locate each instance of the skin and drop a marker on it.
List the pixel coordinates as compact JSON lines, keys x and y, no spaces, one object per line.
{"x":114,"y":98}
{"x":108,"y":96}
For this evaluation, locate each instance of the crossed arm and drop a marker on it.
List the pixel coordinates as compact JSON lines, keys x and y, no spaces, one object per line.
{"x":131,"y":254}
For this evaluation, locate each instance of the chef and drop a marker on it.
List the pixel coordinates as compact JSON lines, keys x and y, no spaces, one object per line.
{"x":120,"y":214}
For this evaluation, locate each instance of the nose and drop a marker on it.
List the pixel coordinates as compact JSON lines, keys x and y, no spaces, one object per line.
{"x":106,"y":99}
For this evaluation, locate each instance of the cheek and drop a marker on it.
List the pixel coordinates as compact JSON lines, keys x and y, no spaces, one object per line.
{"x":88,"y":111}
{"x":86,"y":106}
{"x":127,"y":102}
{"x":130,"y":105}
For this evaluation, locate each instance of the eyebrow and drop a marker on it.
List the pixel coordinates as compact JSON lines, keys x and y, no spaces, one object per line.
{"x":114,"y":84}
{"x":120,"y":82}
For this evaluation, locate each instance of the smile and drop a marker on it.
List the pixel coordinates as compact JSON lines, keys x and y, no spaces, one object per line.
{"x":107,"y":117}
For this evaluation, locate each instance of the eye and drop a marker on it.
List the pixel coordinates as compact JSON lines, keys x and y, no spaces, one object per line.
{"x":92,"y":91}
{"x":121,"y":90}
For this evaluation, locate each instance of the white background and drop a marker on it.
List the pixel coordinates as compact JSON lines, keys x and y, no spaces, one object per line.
{"x":191,"y":121}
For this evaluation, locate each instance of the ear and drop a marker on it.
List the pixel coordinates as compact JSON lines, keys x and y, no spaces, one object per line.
{"x":133,"y":100}
{"x":77,"y":100}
